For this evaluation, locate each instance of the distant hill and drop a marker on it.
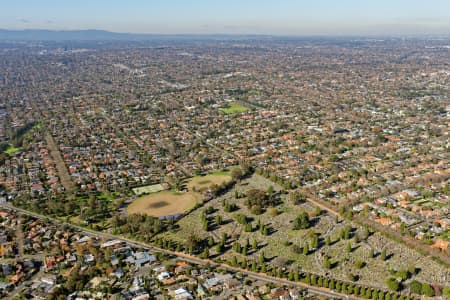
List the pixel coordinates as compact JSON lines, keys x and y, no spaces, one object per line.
{"x":95,"y":35}
{"x":66,"y":35}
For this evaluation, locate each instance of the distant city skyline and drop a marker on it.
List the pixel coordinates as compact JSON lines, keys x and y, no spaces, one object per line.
{"x":282,"y":17}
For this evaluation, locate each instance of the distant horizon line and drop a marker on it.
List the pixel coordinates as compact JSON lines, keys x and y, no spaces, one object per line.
{"x":397,"y":35}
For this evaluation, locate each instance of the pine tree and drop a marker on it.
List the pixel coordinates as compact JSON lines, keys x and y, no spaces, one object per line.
{"x":254,"y":245}
{"x":306,"y":250}
{"x":348,"y":247}
{"x":224,"y":238}
{"x":315,"y":242}
{"x":291,"y":275}
{"x":203,"y":217}
{"x":244,"y":264}
{"x":205,"y":253}
{"x":308,"y":278}
{"x":234,"y":262}
{"x":331,"y":285}
{"x":326,"y":263}
{"x":254,"y":267}
{"x":383,"y":254}
{"x":279,"y":273}
{"x":415,"y":287}
{"x":347,"y":232}
{"x":362,"y":291}
{"x":237,"y":247}
{"x":318,"y":211}
{"x":320,"y":281}
{"x":296,"y":276}
{"x":351,"y":289}
{"x":262,"y":259}
{"x":427,"y":290}
{"x":263,"y":268}
{"x":365,"y":233}
{"x":219,"y":248}
{"x":344,"y":287}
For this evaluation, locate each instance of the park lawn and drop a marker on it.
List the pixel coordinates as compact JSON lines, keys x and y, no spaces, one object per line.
{"x":164,"y":203}
{"x":148,"y":189}
{"x":82,"y":198}
{"x":107,"y":196}
{"x":445,"y":235}
{"x":200,"y":183}
{"x":420,"y":201}
{"x":11,"y":150}
{"x":234,"y":108}
{"x":75,"y":220}
{"x":222,"y":172}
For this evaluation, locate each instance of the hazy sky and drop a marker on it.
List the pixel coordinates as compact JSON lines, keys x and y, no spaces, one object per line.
{"x":291,"y":17}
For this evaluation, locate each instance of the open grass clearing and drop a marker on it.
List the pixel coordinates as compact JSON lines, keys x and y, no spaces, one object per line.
{"x":222,"y":172}
{"x":201,"y":183}
{"x":421,"y":201}
{"x":11,"y":150}
{"x":108,"y":196}
{"x":37,"y":126}
{"x":234,"y":108}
